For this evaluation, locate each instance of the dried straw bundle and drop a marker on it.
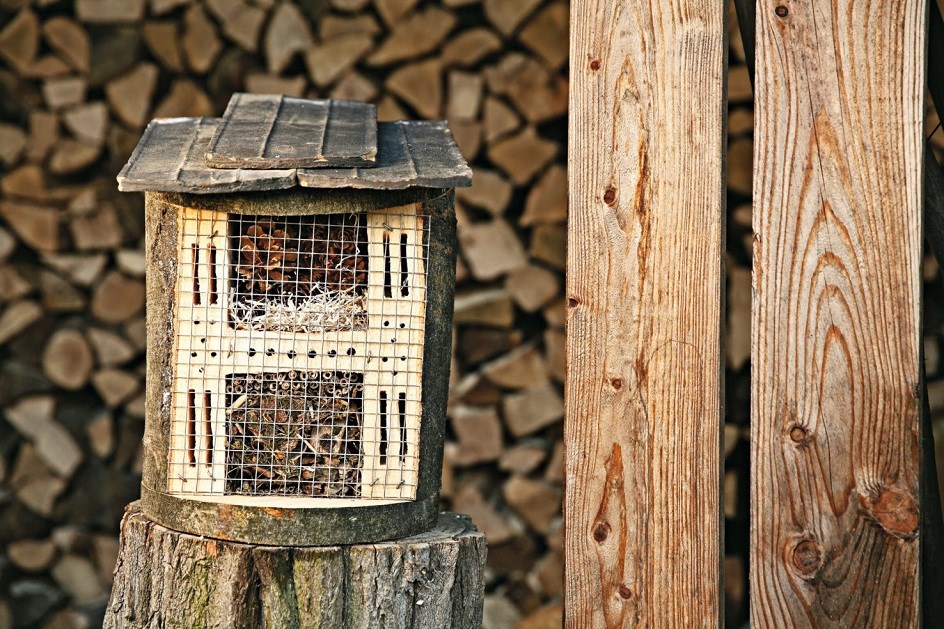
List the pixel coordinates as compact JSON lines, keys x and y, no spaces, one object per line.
{"x":324,"y":312}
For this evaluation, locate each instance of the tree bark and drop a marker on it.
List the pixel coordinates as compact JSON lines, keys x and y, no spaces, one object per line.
{"x":170,"y":579}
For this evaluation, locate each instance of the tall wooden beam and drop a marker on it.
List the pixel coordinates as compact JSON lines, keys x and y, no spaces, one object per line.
{"x":836,"y":323}
{"x":645,"y":286}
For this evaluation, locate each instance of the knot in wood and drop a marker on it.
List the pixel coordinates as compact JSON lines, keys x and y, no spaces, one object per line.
{"x":808,"y":558}
{"x":595,"y":64}
{"x":625,"y":592}
{"x":601,"y":531}
{"x":799,"y":435}
{"x":896,"y":512}
{"x":782,"y":10}
{"x":609,"y":196}
{"x":616,"y":383}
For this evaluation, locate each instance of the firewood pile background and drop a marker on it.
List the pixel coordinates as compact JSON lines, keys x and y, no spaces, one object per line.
{"x":80,"y":80}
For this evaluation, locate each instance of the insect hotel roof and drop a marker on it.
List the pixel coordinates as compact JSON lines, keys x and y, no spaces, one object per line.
{"x":300,"y":286}
{"x":277,"y":142}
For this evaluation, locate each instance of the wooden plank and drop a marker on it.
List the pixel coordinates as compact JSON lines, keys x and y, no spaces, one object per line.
{"x":197,"y":456}
{"x":395,"y":344}
{"x":836,"y":317}
{"x":263,"y":131}
{"x":170,"y":158}
{"x":645,"y":248}
{"x":409,"y":153}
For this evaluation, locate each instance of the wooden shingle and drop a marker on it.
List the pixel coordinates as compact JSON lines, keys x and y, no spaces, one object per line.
{"x":262,"y":131}
{"x":170,"y":158}
{"x":410,"y":153}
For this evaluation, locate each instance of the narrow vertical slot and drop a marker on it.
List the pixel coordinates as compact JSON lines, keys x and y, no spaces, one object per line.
{"x":401,"y":409}
{"x":195,"y":254}
{"x":211,"y":271}
{"x":404,"y":269}
{"x":383,"y":427}
{"x":388,"y":291}
{"x":207,"y":428}
{"x":191,"y":427}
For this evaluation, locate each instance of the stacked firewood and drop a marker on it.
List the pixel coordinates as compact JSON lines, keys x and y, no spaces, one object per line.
{"x":81,"y":78}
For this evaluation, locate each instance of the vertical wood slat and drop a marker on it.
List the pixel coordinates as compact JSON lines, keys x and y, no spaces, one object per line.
{"x":195,"y":367}
{"x":645,"y":286}
{"x":386,"y":372}
{"x":836,"y":313}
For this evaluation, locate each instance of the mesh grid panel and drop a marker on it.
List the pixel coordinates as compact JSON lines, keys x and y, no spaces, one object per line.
{"x":299,"y":355}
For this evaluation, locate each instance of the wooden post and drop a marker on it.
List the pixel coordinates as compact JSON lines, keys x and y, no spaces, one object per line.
{"x":643,"y":532}
{"x":836,"y":324}
{"x":170,"y":579}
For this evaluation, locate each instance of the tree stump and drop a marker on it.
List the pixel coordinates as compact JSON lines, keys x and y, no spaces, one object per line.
{"x":169,"y":579}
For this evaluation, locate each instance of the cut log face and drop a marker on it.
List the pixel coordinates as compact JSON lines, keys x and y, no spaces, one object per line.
{"x":431,"y":580}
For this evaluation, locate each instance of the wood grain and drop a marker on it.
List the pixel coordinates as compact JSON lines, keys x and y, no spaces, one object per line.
{"x":643,"y":534}
{"x":411,"y":154}
{"x":836,"y":316}
{"x":170,"y":579}
{"x":264,"y":131}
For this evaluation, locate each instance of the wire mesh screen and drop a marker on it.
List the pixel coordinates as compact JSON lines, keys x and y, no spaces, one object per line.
{"x":294,"y":432}
{"x":300,"y":274}
{"x":299,"y":355}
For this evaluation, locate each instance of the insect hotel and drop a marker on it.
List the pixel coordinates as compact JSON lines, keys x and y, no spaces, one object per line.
{"x":301,"y":272}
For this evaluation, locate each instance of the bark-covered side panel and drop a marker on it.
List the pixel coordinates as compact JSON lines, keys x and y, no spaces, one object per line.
{"x":170,"y":579}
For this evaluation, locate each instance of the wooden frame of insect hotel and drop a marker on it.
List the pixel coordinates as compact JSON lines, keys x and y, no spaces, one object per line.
{"x":301,"y":273}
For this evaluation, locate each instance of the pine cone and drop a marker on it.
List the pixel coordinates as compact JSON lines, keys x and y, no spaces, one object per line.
{"x":268,"y":257}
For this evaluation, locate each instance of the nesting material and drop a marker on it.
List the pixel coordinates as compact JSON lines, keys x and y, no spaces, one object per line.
{"x":294,"y":433}
{"x":299,"y":274}
{"x":324,"y":312}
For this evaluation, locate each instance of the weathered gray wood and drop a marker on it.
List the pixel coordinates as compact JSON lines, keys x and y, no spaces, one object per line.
{"x":170,"y":158}
{"x":170,"y":579}
{"x":410,"y":153}
{"x":263,"y":131}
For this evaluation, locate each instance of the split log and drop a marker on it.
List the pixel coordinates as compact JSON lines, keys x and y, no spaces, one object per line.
{"x":419,"y":85}
{"x":469,"y":47}
{"x":288,"y":33}
{"x":547,"y":34}
{"x":69,"y":40}
{"x":170,"y":579}
{"x":414,"y":37}
{"x":130,"y":95}
{"x":67,"y":359}
{"x":491,"y":249}
{"x":333,"y":58}
{"x":392,"y":10}
{"x":506,"y":15}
